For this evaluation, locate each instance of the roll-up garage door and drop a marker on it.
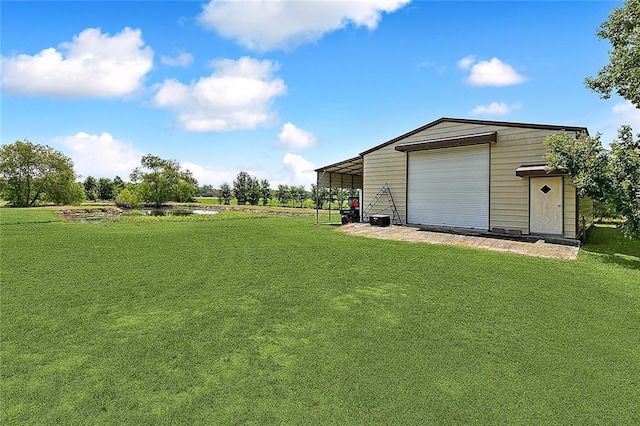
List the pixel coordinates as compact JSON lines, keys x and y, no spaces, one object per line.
{"x":449,"y":187}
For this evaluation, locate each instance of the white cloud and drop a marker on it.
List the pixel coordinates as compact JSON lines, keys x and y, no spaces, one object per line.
{"x":100,"y":155}
{"x":264,"y":25}
{"x":92,"y":65}
{"x":466,"y":62}
{"x":490,"y":73}
{"x":626,"y":113}
{"x":495,"y":108}
{"x":207,"y":175}
{"x":237,"y":95}
{"x":294,"y":138}
{"x":182,"y":60}
{"x":298,"y":171}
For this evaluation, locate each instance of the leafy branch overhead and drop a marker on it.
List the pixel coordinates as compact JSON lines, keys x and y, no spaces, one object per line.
{"x":622,"y":74}
{"x":611,"y":176}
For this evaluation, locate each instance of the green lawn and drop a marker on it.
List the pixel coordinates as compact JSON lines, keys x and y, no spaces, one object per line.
{"x":278,"y":321}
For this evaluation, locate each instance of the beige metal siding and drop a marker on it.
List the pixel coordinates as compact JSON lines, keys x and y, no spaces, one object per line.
{"x":386,"y":165}
{"x":509,"y":194}
{"x":585,"y":214}
{"x":569,"y":209}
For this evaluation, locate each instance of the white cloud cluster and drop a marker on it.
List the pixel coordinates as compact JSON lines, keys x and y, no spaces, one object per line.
{"x":495,"y":108}
{"x":294,"y":138}
{"x":206,"y":175}
{"x":298,"y":170}
{"x":489,"y":73}
{"x":92,"y":65}
{"x":100,"y":155}
{"x":626,"y":113}
{"x":263,"y":25}
{"x":237,"y":95}
{"x":183,"y":59}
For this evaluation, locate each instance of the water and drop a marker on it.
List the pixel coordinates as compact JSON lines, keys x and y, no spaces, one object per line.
{"x":176,"y":212}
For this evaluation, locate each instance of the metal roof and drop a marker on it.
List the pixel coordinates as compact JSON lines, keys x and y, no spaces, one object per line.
{"x":352,"y":166}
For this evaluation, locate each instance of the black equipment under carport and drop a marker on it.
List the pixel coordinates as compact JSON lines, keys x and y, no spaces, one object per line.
{"x":353,"y":213}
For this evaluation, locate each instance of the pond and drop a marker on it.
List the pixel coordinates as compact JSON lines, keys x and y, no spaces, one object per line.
{"x":169,"y":211}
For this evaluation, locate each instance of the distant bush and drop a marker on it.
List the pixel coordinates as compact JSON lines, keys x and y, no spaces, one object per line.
{"x":129,"y":199}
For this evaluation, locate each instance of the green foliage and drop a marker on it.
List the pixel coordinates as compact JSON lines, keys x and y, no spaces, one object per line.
{"x":298,"y":194}
{"x":225,"y":194}
{"x":129,"y":198}
{"x":319,"y":195}
{"x":32,"y":172}
{"x":118,"y":185}
{"x":612,"y":177}
{"x":106,"y":189}
{"x":622,"y":74}
{"x":90,"y":188}
{"x":207,"y":191}
{"x":246,"y":189}
{"x":162,"y":180}
{"x":284,"y":194}
{"x":265,"y":191}
{"x":604,"y":210}
{"x":201,"y":322}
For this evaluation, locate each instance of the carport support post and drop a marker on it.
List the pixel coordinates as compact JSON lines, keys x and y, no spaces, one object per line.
{"x":330,"y":197}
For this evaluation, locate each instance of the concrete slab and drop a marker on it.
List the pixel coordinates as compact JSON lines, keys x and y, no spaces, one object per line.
{"x":405,"y":233}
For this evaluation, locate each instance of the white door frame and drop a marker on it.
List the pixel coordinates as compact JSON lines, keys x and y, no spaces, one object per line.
{"x":534,"y":184}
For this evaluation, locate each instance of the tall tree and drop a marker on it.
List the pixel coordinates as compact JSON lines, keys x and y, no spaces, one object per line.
{"x":622,"y":73}
{"x":32,"y":172}
{"x":225,"y":193}
{"x":162,"y":180}
{"x":241,"y":187}
{"x":105,"y":189}
{"x":90,"y":185}
{"x":611,"y":176}
{"x":319,"y":194}
{"x":265,"y":189}
{"x":254,"y":191}
{"x":284,"y":194}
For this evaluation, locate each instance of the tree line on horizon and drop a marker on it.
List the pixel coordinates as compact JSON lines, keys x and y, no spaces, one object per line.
{"x":32,"y":174}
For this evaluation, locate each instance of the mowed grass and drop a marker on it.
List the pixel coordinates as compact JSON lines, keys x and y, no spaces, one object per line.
{"x":278,"y":321}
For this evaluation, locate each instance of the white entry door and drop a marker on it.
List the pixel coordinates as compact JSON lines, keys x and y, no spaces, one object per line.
{"x":545,"y":209}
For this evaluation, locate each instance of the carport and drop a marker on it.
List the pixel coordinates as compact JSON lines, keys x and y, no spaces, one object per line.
{"x":345,"y":174}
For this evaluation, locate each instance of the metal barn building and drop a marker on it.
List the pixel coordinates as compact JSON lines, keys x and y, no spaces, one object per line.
{"x":467,"y":174}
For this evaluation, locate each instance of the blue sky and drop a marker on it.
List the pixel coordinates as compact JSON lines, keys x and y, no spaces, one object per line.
{"x":278,"y":88}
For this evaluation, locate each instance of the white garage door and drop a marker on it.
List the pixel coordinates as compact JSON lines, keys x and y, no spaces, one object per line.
{"x":449,"y":187}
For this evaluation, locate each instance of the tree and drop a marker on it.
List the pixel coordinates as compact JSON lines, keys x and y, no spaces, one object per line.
{"x":319,"y":194}
{"x":105,"y":189}
{"x":241,"y":187}
{"x":246,"y":189}
{"x":207,"y":191}
{"x":162,"y":180}
{"x":254,"y":191}
{"x":32,"y":172}
{"x":90,"y":185}
{"x":611,"y":177}
{"x":299,"y":194}
{"x":284,"y":194}
{"x":265,"y":189}
{"x":225,"y":194}
{"x":622,"y":74}
{"x":118,"y":186}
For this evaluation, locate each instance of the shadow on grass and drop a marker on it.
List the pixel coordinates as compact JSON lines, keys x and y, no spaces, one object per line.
{"x":608,"y":242}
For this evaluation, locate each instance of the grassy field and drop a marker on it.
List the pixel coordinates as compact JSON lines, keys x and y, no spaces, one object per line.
{"x":272,"y":320}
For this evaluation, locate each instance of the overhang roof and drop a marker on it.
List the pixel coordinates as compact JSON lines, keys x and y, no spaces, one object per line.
{"x":474,"y":139}
{"x":479,"y":122}
{"x":352,"y":166}
{"x":537,"y":170}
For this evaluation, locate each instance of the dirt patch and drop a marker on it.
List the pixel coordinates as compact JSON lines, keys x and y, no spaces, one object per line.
{"x":406,"y":233}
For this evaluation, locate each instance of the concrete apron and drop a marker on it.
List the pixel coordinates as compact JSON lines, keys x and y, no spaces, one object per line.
{"x":405,"y":233}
